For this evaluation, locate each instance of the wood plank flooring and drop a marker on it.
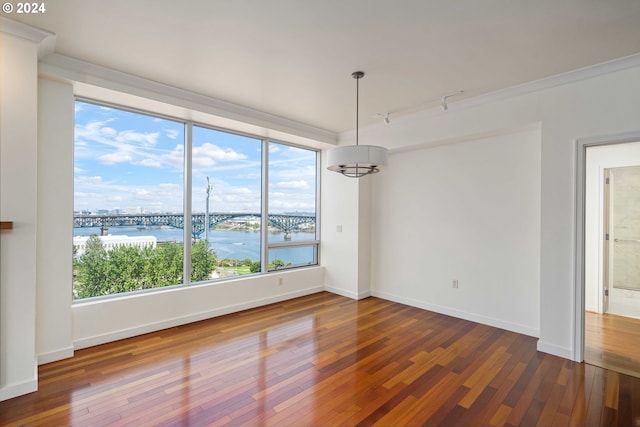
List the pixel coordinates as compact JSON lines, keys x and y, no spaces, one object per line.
{"x":326,"y":360}
{"x":613,"y":342}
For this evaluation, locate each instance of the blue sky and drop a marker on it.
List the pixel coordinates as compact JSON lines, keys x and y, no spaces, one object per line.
{"x":134,"y":163}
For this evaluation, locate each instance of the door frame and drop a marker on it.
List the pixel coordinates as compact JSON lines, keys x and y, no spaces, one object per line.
{"x":582,"y":145}
{"x":606,"y":242}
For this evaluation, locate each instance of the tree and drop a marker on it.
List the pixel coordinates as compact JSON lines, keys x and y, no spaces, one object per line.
{"x":125,"y":270}
{"x":92,"y":269}
{"x":255,"y":267}
{"x":203,"y":261}
{"x":130,"y":268}
{"x":167,"y":265}
{"x":275,"y":264}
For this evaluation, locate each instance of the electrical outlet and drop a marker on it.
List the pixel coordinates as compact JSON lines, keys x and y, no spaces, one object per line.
{"x":280,"y":280}
{"x":454,"y":284}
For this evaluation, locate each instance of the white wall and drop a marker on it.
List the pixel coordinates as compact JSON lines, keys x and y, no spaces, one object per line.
{"x":18,"y":174}
{"x":468,"y":211}
{"x":600,"y":106}
{"x":346,"y":254}
{"x":102,"y":321}
{"x":54,"y":254}
{"x":597,"y":160}
{"x":597,"y":102}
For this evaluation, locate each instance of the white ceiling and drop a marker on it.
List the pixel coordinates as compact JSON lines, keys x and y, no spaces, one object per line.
{"x":294,"y":58}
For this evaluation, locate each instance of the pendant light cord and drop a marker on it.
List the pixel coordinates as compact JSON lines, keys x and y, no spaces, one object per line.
{"x":357,"y":106}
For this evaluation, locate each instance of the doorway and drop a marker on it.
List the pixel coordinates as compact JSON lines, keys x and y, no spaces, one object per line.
{"x":622,"y":241}
{"x":612,"y":257}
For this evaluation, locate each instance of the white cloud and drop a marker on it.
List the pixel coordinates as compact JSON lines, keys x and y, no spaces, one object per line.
{"x":202,"y":162}
{"x":92,"y":180}
{"x":280,"y":201}
{"x":81,"y":195}
{"x":114,"y":146}
{"x":293,"y":173}
{"x":113,"y":158}
{"x":172,"y":133}
{"x":142,"y":193}
{"x":176,"y":156}
{"x":170,"y":186}
{"x":94,"y":131}
{"x":239,"y":190}
{"x":208,"y":154}
{"x":108,"y":131}
{"x":154,"y":163}
{"x":227,"y":197}
{"x":292,"y":184}
{"x":205,"y":155}
{"x":144,"y":139}
{"x":115,"y":198}
{"x":286,"y":204}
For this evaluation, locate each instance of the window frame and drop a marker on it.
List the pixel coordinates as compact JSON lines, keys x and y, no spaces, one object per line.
{"x":265,"y":246}
{"x":315,"y":243}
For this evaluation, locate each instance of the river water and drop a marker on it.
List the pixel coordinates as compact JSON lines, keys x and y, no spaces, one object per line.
{"x":231,"y":244}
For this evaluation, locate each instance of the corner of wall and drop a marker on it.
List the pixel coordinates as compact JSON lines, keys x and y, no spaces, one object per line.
{"x":53,"y":228}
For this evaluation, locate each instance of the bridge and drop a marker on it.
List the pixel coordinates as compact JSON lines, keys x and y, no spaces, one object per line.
{"x":285,"y":222}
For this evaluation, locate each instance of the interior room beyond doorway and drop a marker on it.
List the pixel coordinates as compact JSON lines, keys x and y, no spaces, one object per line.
{"x":612,"y":255}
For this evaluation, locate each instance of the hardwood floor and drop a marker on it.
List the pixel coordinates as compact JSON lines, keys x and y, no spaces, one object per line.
{"x":613,"y":342}
{"x":325,"y":360}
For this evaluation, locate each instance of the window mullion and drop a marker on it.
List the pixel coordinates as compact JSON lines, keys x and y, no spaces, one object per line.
{"x":264,"y":220}
{"x":187,"y":203}
{"x":318,"y":201}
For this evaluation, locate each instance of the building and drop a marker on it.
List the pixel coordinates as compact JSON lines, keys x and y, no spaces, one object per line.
{"x":489,"y":194}
{"x":110,"y":242}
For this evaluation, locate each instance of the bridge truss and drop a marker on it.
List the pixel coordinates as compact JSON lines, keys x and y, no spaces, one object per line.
{"x":285,"y":222}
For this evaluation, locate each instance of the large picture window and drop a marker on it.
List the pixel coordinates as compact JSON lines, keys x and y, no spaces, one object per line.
{"x":146,"y":184}
{"x":292,"y":206}
{"x":226,"y":192}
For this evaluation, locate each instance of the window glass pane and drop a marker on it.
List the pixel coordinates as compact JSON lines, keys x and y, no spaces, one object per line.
{"x":128,"y":201}
{"x":292,"y":193}
{"x":226,"y":190}
{"x":294,"y":256}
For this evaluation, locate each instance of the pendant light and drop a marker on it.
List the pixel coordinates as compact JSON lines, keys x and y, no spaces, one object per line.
{"x":357,"y":160}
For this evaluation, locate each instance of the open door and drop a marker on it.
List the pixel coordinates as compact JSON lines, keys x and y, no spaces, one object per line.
{"x":612,"y":257}
{"x":621,"y":294}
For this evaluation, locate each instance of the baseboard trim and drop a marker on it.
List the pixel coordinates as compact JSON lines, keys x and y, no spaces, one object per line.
{"x":348,"y":294}
{"x":53,"y":356}
{"x":555,"y":350}
{"x":16,"y":390}
{"x":170,"y":323}
{"x":485,"y":320}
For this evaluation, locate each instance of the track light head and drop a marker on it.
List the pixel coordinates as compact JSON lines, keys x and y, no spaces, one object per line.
{"x":444,"y":104}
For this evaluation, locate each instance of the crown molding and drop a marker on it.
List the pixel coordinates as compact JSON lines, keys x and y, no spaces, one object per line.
{"x":575,"y":76}
{"x":615,"y":65}
{"x":46,"y":40}
{"x":75,"y":70}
